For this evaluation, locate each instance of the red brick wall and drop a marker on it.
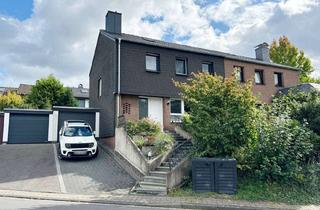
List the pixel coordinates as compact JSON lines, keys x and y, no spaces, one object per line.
{"x":129,"y":107}
{"x":263,"y":92}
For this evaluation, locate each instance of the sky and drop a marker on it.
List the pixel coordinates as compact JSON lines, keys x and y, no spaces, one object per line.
{"x":42,"y":37}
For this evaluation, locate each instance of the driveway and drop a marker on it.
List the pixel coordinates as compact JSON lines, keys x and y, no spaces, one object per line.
{"x":35,"y":168}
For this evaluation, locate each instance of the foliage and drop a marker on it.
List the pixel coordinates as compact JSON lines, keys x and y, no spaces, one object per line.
{"x":282,"y":151}
{"x":144,"y":127}
{"x":291,"y":102}
{"x":139,"y":141}
{"x":163,"y":142}
{"x":222,"y":117}
{"x":256,"y":190}
{"x":50,"y":92}
{"x":11,"y":100}
{"x":284,"y":52}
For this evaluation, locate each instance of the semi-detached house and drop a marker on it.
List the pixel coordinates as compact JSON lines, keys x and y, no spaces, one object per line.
{"x":132,"y":76}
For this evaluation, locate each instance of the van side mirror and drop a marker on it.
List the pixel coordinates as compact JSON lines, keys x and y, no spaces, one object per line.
{"x":94,"y":133}
{"x":60,"y":132}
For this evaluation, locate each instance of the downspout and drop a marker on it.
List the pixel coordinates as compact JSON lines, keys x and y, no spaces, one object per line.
{"x":119,"y":74}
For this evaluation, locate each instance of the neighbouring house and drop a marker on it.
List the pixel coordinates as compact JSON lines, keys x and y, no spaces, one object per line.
{"x":305,"y":88}
{"x":132,"y":76}
{"x":80,"y":93}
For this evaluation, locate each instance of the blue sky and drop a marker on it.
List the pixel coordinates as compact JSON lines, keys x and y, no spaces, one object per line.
{"x":20,"y":9}
{"x":58,"y":37}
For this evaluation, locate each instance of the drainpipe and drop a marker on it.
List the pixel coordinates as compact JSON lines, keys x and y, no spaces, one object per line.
{"x":118,"y":91}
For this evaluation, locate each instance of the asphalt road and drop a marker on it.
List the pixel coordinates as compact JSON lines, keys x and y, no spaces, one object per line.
{"x":25,"y":204}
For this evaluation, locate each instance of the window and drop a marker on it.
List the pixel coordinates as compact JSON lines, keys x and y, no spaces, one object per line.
{"x":278,"y":79}
{"x":99,"y":87}
{"x":238,"y":70}
{"x":207,"y":67}
{"x":181,"y":66}
{"x":176,"y":110}
{"x":143,"y":108}
{"x":152,"y":63}
{"x":258,"y":77}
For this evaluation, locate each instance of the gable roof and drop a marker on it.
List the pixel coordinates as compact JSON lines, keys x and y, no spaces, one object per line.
{"x":170,"y":45}
{"x":305,"y":88}
{"x":24,"y":89}
{"x":80,"y":92}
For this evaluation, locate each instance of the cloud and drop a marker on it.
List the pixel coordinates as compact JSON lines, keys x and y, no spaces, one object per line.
{"x":60,"y":36}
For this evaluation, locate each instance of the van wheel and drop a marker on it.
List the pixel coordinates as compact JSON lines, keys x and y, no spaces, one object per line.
{"x":96,"y":154}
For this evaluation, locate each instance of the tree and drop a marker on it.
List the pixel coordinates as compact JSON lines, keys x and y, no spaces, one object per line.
{"x":284,"y":52}
{"x":222,"y":115}
{"x":50,"y":92}
{"x":11,"y":100}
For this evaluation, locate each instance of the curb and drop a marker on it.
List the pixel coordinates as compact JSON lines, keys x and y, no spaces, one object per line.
{"x":145,"y":201}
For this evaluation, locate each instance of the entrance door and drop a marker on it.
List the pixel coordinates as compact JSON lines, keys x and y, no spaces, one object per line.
{"x":156,"y":110}
{"x":152,"y":108}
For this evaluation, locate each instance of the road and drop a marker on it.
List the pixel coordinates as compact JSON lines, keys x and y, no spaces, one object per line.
{"x":26,"y":204}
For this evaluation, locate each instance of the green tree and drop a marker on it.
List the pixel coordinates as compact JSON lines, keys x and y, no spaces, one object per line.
{"x":11,"y":100}
{"x":50,"y":92}
{"x":284,"y":52}
{"x":222,"y":116}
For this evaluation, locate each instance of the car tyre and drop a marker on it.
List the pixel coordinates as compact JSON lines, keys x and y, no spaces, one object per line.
{"x":96,"y":154}
{"x":60,"y":157}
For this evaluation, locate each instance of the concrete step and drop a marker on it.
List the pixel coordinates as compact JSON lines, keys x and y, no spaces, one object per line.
{"x":155,"y":179}
{"x":163,"y":168}
{"x":151,"y":184}
{"x":162,"y":174}
{"x":151,"y":190}
{"x":165,"y":164}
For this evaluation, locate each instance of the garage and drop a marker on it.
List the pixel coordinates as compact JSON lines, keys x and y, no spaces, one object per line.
{"x":28,"y":127}
{"x":89,"y":115}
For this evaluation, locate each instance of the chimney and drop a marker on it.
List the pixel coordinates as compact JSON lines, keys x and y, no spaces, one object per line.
{"x":262,"y":52}
{"x":113,"y":22}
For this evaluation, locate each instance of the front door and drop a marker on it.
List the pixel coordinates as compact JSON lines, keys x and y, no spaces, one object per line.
{"x":152,"y":108}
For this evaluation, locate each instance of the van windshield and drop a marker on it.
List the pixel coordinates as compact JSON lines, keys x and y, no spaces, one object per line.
{"x":77,"y":131}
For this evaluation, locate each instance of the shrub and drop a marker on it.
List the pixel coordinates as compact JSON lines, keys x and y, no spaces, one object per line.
{"x":222,"y":117}
{"x":11,"y":100}
{"x":163,"y":143}
{"x":281,"y":152}
{"x":144,"y":127}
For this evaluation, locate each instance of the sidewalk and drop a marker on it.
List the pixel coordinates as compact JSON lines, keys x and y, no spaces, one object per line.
{"x":155,"y":201}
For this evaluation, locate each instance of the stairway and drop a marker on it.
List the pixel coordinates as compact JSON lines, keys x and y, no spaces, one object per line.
{"x":156,"y":182}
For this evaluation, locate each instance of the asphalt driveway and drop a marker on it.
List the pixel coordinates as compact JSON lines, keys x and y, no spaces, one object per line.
{"x":34,"y":167}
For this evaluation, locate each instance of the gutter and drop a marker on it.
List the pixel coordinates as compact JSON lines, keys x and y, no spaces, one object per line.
{"x":119,"y":75}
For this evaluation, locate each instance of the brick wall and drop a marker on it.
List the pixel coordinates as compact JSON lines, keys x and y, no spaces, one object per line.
{"x":263,"y":92}
{"x":129,"y":107}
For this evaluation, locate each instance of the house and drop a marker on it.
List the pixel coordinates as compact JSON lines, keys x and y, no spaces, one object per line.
{"x":305,"y":88}
{"x":132,"y":76}
{"x":80,"y":93}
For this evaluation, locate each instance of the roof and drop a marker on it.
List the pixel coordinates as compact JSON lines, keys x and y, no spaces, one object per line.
{"x":80,"y":92}
{"x":170,"y":45}
{"x":305,"y":87}
{"x":24,"y":89}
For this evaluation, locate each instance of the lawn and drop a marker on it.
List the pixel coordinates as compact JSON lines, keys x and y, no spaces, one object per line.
{"x":251,"y":190}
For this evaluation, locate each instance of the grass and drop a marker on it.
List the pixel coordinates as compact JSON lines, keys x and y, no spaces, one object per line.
{"x":252,"y":190}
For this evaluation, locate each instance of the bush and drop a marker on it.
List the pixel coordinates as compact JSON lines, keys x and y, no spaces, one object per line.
{"x":163,"y":143}
{"x":11,"y":100}
{"x":144,"y":127}
{"x":222,"y":117}
{"x":281,"y":152}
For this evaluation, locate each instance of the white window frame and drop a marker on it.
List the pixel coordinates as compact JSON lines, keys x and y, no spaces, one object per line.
{"x":100,"y":87}
{"x":157,"y":59}
{"x":177,"y":115}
